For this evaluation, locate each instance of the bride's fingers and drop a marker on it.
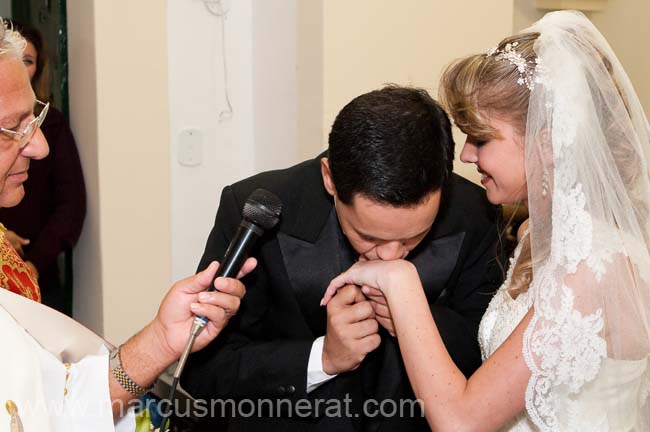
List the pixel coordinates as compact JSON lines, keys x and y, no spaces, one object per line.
{"x":338,"y":282}
{"x":330,"y":291}
{"x":361,"y":273}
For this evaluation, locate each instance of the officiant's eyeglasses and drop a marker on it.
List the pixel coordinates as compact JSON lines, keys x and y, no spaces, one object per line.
{"x":24,"y":137}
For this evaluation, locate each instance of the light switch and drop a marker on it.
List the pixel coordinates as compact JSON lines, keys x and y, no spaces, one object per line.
{"x":190,"y":147}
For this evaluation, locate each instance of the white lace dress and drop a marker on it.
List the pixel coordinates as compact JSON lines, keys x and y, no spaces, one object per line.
{"x":619,"y":382}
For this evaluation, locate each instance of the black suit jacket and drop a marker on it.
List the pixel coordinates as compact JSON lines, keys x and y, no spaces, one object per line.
{"x":264,"y":351}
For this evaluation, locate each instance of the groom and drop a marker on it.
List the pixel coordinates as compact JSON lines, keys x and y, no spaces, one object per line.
{"x":383,"y":190}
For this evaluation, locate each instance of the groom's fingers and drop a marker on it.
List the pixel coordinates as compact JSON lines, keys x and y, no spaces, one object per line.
{"x":381,"y":310}
{"x":364,"y":328}
{"x":374,"y":295}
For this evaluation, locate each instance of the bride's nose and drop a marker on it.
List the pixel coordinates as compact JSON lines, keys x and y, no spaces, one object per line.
{"x":469,"y":153}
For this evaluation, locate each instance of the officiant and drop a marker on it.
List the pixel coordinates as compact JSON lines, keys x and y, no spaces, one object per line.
{"x":55,"y":374}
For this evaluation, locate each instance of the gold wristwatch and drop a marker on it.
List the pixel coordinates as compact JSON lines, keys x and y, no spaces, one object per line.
{"x":115,"y":364}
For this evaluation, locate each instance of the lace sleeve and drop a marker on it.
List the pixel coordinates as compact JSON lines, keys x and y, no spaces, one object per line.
{"x":584,"y":322}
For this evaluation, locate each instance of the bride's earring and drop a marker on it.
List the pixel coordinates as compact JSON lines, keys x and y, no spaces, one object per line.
{"x":545,"y":183}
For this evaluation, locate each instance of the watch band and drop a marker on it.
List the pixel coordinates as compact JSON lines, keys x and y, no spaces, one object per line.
{"x":122,"y":377}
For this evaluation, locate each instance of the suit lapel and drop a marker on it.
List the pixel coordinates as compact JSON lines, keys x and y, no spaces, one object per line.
{"x":312,"y":265}
{"x":436,"y":261}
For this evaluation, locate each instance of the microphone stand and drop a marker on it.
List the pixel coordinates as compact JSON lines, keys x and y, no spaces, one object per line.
{"x":197,"y":327}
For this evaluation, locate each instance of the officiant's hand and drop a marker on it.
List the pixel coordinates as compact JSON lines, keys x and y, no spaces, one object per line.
{"x":147,"y":354}
{"x":189,"y":298}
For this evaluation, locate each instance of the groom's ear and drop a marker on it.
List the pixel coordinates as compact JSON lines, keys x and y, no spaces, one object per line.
{"x":326,"y":173}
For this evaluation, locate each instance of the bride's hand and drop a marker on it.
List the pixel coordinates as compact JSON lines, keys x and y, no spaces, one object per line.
{"x":381,"y":275}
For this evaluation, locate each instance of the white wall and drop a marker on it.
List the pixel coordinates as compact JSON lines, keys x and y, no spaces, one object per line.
{"x":371,"y":42}
{"x":131,"y":95}
{"x":275,"y":78}
{"x":526,"y":13}
{"x":197,"y":97}
{"x":88,"y":282}
{"x":310,"y":79}
{"x":624,"y":23}
{"x":274,"y":84}
{"x":120,"y":115}
{"x":287,"y":81}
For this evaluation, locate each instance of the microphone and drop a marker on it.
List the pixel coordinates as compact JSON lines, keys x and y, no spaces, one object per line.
{"x":261,"y":212}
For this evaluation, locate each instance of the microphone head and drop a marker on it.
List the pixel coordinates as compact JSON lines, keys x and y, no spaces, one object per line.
{"x":262,"y":208}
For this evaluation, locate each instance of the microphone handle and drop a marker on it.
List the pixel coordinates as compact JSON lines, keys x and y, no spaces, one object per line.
{"x":238,"y":250}
{"x":234,"y":258}
{"x":235,"y":255}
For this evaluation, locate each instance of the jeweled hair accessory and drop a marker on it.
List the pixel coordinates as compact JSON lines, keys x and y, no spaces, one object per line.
{"x":528,"y":75}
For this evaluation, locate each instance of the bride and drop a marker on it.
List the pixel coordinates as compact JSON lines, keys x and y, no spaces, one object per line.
{"x":552,"y":120}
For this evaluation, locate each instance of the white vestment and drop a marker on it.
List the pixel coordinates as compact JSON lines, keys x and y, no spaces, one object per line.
{"x":54,"y":370}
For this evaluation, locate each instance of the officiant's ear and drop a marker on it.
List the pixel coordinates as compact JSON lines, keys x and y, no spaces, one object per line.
{"x":327,"y":176}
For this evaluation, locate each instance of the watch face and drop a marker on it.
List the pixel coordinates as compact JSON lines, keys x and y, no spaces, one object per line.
{"x":114,"y":358}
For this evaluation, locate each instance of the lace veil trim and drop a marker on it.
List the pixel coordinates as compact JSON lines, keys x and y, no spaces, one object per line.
{"x":587,"y":144}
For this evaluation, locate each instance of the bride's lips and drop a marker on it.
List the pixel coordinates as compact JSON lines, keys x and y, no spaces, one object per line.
{"x":484,"y":177}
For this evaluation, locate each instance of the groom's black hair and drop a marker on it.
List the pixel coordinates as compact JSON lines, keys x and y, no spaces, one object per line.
{"x":393,"y":146}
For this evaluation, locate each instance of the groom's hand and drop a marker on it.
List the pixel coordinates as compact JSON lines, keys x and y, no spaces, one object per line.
{"x":380,"y":307}
{"x":351,"y":331}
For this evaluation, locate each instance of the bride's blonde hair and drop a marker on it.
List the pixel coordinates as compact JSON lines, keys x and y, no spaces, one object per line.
{"x":482,"y":85}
